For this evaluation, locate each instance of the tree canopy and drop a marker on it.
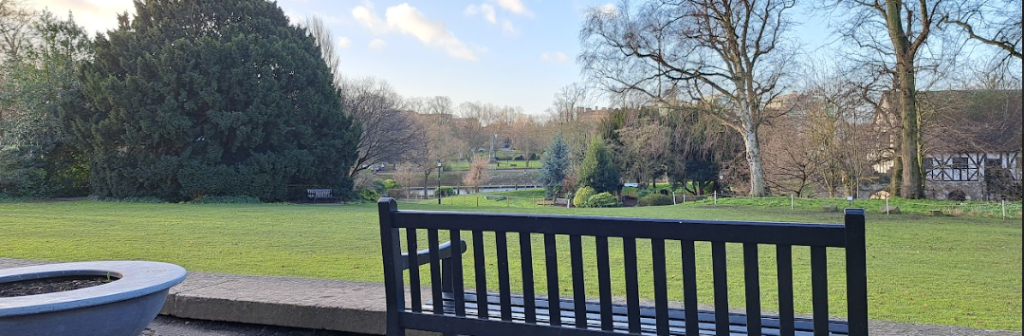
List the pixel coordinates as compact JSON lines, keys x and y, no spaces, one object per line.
{"x":597,"y":170}
{"x":191,"y":98}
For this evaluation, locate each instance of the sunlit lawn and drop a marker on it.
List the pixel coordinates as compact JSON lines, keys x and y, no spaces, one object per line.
{"x":947,"y":270}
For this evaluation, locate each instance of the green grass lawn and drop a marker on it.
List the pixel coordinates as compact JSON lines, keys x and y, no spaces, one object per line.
{"x":947,"y":270}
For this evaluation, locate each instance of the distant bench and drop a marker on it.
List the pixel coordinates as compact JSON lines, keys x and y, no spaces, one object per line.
{"x":317,"y":194}
{"x":454,"y":311}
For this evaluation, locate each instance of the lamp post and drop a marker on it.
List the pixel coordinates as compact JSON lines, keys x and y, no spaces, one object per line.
{"x":438,"y":192}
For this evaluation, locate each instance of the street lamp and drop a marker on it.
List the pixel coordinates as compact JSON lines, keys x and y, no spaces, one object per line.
{"x":438,"y":192}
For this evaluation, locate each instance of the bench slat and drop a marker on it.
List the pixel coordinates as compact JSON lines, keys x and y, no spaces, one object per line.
{"x":660,"y":285}
{"x":414,"y":271}
{"x":435,"y":267}
{"x":578,"y":289}
{"x":720,"y":274}
{"x":551,"y":261}
{"x":752,"y":282}
{"x":784,"y":257}
{"x":458,"y":281}
{"x":819,"y":290}
{"x":689,"y":283}
{"x":480,"y":267}
{"x":723,"y":231}
{"x":501,"y":242}
{"x":526,"y":252}
{"x":706,"y":323}
{"x":632,"y":288}
{"x":856,"y":272}
{"x":604,"y":282}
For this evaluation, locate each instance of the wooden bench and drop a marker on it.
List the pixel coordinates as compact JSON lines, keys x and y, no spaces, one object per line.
{"x":451,"y":310}
{"x":315,"y":194}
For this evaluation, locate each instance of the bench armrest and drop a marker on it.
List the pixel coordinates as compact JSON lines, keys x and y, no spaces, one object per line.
{"x":423,"y":256}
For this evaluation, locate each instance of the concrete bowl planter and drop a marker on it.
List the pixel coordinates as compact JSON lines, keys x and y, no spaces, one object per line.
{"x":122,"y":307}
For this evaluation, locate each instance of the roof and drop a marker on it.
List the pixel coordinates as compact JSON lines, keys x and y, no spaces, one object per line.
{"x":971,"y":121}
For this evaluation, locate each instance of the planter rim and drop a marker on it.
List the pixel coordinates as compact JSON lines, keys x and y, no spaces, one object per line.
{"x":137,"y":278}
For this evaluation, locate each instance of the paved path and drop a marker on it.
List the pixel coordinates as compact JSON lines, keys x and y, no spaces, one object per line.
{"x":254,"y":303}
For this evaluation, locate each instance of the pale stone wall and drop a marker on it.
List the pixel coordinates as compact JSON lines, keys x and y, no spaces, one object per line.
{"x":975,"y":190}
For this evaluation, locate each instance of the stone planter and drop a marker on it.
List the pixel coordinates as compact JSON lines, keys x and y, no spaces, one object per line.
{"x":122,"y":307}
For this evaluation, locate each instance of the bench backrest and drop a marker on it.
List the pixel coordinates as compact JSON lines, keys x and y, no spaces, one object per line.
{"x":319,"y":193}
{"x":783,"y":236}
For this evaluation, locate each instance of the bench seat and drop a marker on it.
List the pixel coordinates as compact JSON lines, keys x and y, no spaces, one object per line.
{"x":677,"y":321}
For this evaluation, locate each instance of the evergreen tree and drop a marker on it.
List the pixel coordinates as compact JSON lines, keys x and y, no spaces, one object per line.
{"x":556,"y":166}
{"x":192,"y":98}
{"x":598,"y":171}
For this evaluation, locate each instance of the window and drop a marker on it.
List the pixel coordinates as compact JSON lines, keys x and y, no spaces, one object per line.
{"x":989,"y":162}
{"x":960,"y":163}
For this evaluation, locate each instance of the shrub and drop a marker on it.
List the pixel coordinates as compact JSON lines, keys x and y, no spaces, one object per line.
{"x":368,"y":194}
{"x":444,"y":191}
{"x":656,"y":199}
{"x":582,"y":196}
{"x":602,"y":200}
{"x":390,"y":184}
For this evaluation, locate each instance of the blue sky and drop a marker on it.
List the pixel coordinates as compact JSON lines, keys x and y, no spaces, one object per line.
{"x":505,"y":52}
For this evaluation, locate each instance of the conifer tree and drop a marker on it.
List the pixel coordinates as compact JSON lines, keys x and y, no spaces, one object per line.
{"x":190,"y":98}
{"x":598,"y":171}
{"x":555,"y":167}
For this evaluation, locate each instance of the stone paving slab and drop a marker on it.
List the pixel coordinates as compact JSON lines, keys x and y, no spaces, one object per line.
{"x":345,"y":306}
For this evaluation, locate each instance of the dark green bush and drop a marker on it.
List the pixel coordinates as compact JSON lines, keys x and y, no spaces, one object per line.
{"x":656,"y":199}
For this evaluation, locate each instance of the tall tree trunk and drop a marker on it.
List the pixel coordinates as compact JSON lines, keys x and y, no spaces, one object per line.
{"x":912,"y":184}
{"x":753,"y":153}
{"x":896,"y":176}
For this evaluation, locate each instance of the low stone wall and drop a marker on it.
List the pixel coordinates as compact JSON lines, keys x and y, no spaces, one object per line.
{"x":975,"y":190}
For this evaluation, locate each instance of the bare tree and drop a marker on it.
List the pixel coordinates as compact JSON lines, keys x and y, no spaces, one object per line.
{"x":897,"y":31}
{"x":528,"y":136}
{"x":993,"y":22}
{"x":15,"y":29}
{"x":325,"y":41}
{"x":389,"y":133}
{"x":440,"y":105}
{"x":477,"y":174}
{"x":645,"y":143}
{"x":715,"y":50}
{"x":568,"y":100}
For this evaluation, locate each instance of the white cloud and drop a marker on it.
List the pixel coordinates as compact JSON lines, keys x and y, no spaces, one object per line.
{"x":365,"y":16}
{"x":378,"y":44}
{"x":515,"y":6}
{"x":487,"y":11}
{"x":408,"y":20}
{"x":508,"y":28}
{"x":557,"y":57}
{"x":344,"y":42}
{"x":94,"y":15}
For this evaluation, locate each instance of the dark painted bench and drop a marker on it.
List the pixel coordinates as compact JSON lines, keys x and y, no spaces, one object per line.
{"x":316,"y":194}
{"x":461,"y":312}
